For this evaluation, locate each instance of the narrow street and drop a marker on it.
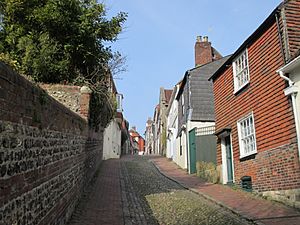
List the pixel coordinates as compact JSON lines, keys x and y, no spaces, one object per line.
{"x":133,"y":191}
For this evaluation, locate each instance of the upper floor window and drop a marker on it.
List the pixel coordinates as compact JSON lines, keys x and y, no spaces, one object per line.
{"x":119,"y":98}
{"x":246,"y":132}
{"x":241,"y":71}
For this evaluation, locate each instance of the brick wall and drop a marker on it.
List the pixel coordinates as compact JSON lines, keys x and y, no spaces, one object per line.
{"x":203,"y":52}
{"x":293,"y":22}
{"x":47,"y":154}
{"x":276,"y":165}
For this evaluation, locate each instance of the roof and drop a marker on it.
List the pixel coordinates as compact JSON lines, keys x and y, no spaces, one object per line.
{"x":252,"y":38}
{"x":149,"y":121}
{"x":168,"y":94}
{"x":172,"y":98}
{"x":202,"y":97}
{"x":208,"y":69}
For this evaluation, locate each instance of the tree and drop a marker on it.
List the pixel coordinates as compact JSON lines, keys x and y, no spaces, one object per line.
{"x":57,"y":41}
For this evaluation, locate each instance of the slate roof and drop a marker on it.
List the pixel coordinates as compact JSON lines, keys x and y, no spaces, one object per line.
{"x":202,"y":98}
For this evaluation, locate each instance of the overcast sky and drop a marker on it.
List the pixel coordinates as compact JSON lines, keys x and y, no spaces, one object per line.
{"x":159,"y":39}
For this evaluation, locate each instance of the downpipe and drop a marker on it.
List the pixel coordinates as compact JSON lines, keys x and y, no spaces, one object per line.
{"x":293,"y":96}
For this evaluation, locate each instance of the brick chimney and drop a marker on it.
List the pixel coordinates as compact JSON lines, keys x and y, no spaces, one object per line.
{"x":204,"y":52}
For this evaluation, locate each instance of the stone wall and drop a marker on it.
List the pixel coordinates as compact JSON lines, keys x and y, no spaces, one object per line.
{"x":47,"y":153}
{"x":67,"y":95}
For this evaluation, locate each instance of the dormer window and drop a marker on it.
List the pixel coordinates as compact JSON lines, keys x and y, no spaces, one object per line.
{"x":241,"y":71}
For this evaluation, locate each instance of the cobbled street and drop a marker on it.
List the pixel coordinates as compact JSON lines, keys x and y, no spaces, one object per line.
{"x":148,"y":197}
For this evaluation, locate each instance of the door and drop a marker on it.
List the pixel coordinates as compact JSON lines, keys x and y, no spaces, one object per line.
{"x":192,"y":148}
{"x":228,"y":160}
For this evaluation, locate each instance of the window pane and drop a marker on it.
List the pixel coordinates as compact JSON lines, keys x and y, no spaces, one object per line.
{"x":241,"y":70}
{"x":247,"y":136}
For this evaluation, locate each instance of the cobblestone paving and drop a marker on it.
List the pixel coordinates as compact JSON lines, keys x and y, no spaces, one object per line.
{"x":151,"y":198}
{"x":132,"y":191}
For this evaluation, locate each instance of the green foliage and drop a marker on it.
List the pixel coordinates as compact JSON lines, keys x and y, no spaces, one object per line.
{"x":208,"y":171}
{"x":57,"y":40}
{"x":101,"y":112}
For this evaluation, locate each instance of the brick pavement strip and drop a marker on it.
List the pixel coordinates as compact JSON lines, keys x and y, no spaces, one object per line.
{"x":102,"y":204}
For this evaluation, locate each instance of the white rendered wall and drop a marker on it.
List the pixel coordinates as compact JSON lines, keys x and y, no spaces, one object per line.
{"x":181,"y":160}
{"x":112,"y":141}
{"x":295,"y":76}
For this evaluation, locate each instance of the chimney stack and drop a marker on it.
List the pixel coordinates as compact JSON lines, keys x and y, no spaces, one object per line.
{"x":203,"y":51}
{"x":199,"y":38}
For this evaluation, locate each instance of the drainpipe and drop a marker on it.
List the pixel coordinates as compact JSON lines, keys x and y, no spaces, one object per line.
{"x":291,"y":83}
{"x":293,"y":96}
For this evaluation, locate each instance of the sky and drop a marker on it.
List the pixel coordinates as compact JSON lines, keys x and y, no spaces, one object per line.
{"x":159,"y":37}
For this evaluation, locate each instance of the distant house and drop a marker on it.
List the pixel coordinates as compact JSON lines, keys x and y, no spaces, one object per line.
{"x":138,"y":142}
{"x":156,"y":130}
{"x":257,"y":111}
{"x":160,"y":122}
{"x":149,"y":134}
{"x":125,"y":138}
{"x":172,"y":125}
{"x":164,"y":98}
{"x":196,"y":103}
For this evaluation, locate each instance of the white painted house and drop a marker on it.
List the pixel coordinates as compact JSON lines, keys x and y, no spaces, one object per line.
{"x":172,"y":125}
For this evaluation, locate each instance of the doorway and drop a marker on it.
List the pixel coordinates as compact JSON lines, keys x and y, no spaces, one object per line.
{"x":227,"y":161}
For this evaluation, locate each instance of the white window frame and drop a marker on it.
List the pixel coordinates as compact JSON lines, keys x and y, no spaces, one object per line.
{"x":242,"y":77}
{"x":247,"y":136}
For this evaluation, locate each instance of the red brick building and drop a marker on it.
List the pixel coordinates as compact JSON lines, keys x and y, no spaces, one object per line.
{"x":137,"y":141}
{"x":255,"y":123}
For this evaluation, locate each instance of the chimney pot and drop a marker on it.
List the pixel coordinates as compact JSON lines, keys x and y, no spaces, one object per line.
{"x":199,"y":38}
{"x":205,"y":39}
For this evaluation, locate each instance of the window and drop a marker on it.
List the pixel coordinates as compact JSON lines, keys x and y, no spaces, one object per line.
{"x":119,"y":98}
{"x":241,"y":71}
{"x":246,"y":132}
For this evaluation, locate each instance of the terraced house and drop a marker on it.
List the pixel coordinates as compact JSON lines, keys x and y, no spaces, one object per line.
{"x":256,"y":109}
{"x":195,"y":106}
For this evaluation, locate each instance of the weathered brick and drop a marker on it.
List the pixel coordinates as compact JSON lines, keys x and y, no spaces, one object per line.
{"x":47,"y":153}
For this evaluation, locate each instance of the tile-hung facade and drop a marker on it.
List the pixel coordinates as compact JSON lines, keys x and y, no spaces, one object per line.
{"x":257,"y":141}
